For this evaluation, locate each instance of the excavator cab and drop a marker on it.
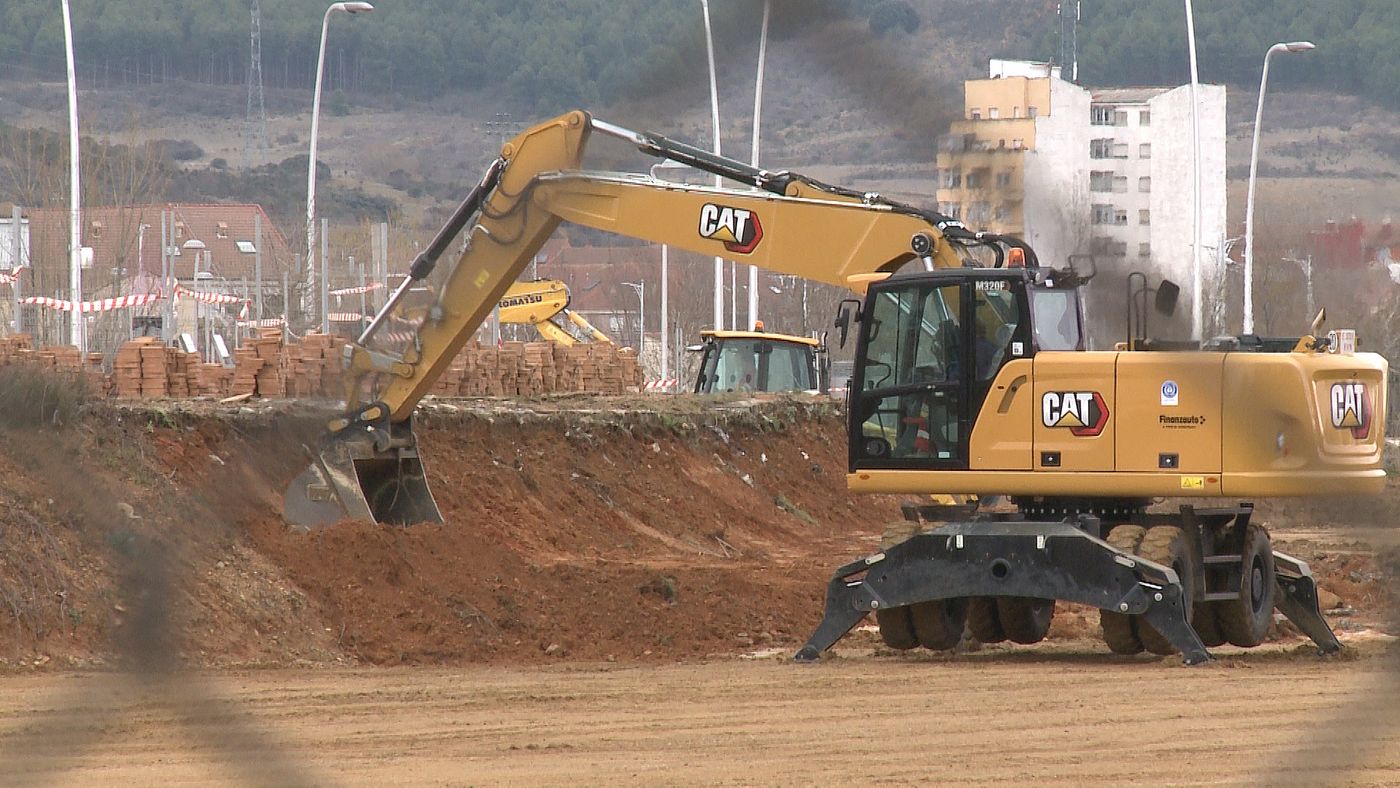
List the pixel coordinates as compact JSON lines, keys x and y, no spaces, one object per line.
{"x":929,"y":348}
{"x":755,"y":361}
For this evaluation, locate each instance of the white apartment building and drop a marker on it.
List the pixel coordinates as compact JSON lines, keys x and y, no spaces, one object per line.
{"x":1106,"y":172}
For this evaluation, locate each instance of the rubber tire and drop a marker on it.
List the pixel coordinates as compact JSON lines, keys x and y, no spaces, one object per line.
{"x":938,"y":625}
{"x":1120,"y":629}
{"x":1245,"y":621}
{"x":1206,"y":626}
{"x":983,"y":621}
{"x":896,"y":628}
{"x":1167,"y":545}
{"x":1025,"y":620}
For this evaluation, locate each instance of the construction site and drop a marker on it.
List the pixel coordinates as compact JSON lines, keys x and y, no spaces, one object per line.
{"x":529,"y":570}
{"x":1017,"y":467}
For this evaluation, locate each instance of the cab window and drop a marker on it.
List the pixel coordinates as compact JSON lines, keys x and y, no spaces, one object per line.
{"x":1055,"y":319}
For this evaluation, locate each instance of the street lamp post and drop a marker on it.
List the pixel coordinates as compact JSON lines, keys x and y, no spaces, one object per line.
{"x":665,"y":288}
{"x":1197,"y":311}
{"x":308,"y":297}
{"x":640,"y":289}
{"x":714,"y":120}
{"x":1290,"y":47}
{"x":757,"y":114}
{"x":75,"y":239}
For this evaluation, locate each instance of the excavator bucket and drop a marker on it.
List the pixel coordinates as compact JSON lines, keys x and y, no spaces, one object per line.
{"x":363,"y":472}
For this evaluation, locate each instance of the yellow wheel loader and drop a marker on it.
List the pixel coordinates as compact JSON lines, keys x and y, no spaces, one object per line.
{"x":972,"y":376}
{"x":758,"y":361}
{"x":544,"y":304}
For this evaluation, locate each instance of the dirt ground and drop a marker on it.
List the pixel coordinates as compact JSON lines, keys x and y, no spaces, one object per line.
{"x":611,"y":600}
{"x":1052,"y":717}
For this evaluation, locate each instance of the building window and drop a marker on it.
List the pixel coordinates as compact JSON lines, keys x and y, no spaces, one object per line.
{"x":1144,"y":250}
{"x":1144,"y":217}
{"x":975,"y":179}
{"x":221,"y":230}
{"x":1103,"y":246}
{"x":95,"y":231}
{"x":1018,"y":144}
{"x":1015,"y":112}
{"x":1103,"y":214}
{"x":1101,"y":181}
{"x":1145,"y":150}
{"x":1003,"y":179}
{"x":975,"y":113}
{"x":993,"y":113}
{"x":1101,"y":148}
{"x":1100,"y":115}
{"x":1144,"y":184}
{"x":950,"y":179}
{"x":179,"y":229}
{"x":246,"y":247}
{"x":1120,"y":184}
{"x":1120,"y":218}
{"x":1003,"y":213}
{"x":1032,"y":112}
{"x":951,"y":210}
{"x":978,"y":212}
{"x":1145,"y":118}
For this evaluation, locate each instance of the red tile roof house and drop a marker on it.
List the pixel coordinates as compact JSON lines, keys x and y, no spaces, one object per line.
{"x":126,"y":260}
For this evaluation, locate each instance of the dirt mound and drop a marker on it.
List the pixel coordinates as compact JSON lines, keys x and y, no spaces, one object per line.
{"x":629,"y":528}
{"x":582,"y":527}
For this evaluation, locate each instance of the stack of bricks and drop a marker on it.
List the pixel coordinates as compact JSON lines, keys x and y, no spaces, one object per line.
{"x":271,"y":375}
{"x":533,"y":368}
{"x":267,"y":367}
{"x":314,"y":366}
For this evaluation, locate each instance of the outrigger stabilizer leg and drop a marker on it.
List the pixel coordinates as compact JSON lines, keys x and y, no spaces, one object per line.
{"x":1296,"y":599}
{"x":1021,"y":559}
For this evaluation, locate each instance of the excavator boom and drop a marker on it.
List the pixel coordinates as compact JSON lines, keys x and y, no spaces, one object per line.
{"x":368,"y":465}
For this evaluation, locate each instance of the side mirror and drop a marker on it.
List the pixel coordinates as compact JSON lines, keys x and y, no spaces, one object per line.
{"x":1167,"y":294}
{"x":844,"y":316}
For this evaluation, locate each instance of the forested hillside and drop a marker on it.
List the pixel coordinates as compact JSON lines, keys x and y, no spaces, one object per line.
{"x":1143,"y":42}
{"x":552,"y":54}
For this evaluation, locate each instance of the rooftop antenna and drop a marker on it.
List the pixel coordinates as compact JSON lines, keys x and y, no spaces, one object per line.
{"x":255,"y":125}
{"x":1069,"y":40}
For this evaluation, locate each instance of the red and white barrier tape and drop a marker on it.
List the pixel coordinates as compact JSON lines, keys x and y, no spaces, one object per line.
{"x":346,"y":317}
{"x":344,"y":291}
{"x":210,"y":298}
{"x":103,"y":305}
{"x":666,"y":384}
{"x":267,"y":322}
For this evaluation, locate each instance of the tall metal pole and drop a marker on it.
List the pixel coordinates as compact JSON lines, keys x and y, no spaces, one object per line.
{"x":257,"y":265}
{"x":753,"y":159}
{"x":308,"y":297}
{"x":719,"y":181}
{"x":325,"y":278}
{"x":1295,"y":46}
{"x":75,"y":238}
{"x":1197,"y":310}
{"x":665,"y":338}
{"x":16,"y":249}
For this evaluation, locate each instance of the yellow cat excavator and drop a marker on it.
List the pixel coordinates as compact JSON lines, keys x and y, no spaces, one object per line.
{"x":542,"y":303}
{"x":972,"y":376}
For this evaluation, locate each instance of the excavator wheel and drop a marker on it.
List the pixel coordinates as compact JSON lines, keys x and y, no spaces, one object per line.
{"x":983,"y":620}
{"x":1120,"y":630}
{"x":896,"y":628}
{"x":1245,"y":621}
{"x":1024,"y":619}
{"x":938,"y":624}
{"x":1204,"y":621}
{"x":1166,"y":545}
{"x":896,"y":623}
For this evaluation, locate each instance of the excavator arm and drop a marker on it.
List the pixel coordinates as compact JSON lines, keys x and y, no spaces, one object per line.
{"x":368,"y":465}
{"x":544,"y":304}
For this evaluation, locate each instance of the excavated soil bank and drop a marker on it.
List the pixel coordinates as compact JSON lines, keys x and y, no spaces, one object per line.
{"x":633,"y":528}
